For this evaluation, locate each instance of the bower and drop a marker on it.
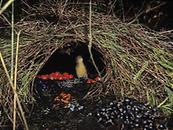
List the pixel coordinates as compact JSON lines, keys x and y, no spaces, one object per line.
{"x":63,"y":60}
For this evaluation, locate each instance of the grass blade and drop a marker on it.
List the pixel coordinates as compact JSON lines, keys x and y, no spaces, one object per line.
{"x":15,"y":93}
{"x":6,"y":6}
{"x":139,"y":73}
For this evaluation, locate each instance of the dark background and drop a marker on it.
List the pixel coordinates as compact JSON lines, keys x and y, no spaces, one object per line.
{"x":156,"y":14}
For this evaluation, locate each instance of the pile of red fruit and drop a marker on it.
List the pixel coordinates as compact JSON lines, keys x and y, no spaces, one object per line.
{"x":90,"y":81}
{"x":56,"y":76}
{"x":64,"y":76}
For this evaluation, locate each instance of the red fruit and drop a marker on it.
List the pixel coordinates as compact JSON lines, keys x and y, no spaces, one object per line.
{"x":93,"y":81}
{"x":89,"y":81}
{"x":60,"y":77}
{"x":71,"y":76}
{"x":52,"y":76}
{"x":65,"y":75}
{"x":57,"y":74}
{"x":97,"y":78}
{"x":38,"y":76}
{"x":45,"y":77}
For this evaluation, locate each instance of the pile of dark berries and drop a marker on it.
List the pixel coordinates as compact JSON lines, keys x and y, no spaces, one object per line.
{"x":130,"y":113}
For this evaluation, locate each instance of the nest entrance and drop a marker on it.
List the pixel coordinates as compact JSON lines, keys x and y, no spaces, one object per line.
{"x":63,"y":60}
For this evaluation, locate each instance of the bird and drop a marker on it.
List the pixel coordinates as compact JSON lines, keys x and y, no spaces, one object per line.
{"x":81,"y":70}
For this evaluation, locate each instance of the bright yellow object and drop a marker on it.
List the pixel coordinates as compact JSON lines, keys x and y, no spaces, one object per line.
{"x":81,"y":70}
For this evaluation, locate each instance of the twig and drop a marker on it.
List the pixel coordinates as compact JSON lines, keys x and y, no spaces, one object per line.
{"x":166,"y":32}
{"x":90,"y":40}
{"x":6,"y":6}
{"x":12,"y":65}
{"x":155,"y":7}
{"x":12,"y":42}
{"x":112,"y":6}
{"x":15,"y":79}
{"x":140,"y":12}
{"x":146,"y":11}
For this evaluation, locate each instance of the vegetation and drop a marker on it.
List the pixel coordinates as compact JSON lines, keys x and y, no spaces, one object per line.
{"x":139,"y":62}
